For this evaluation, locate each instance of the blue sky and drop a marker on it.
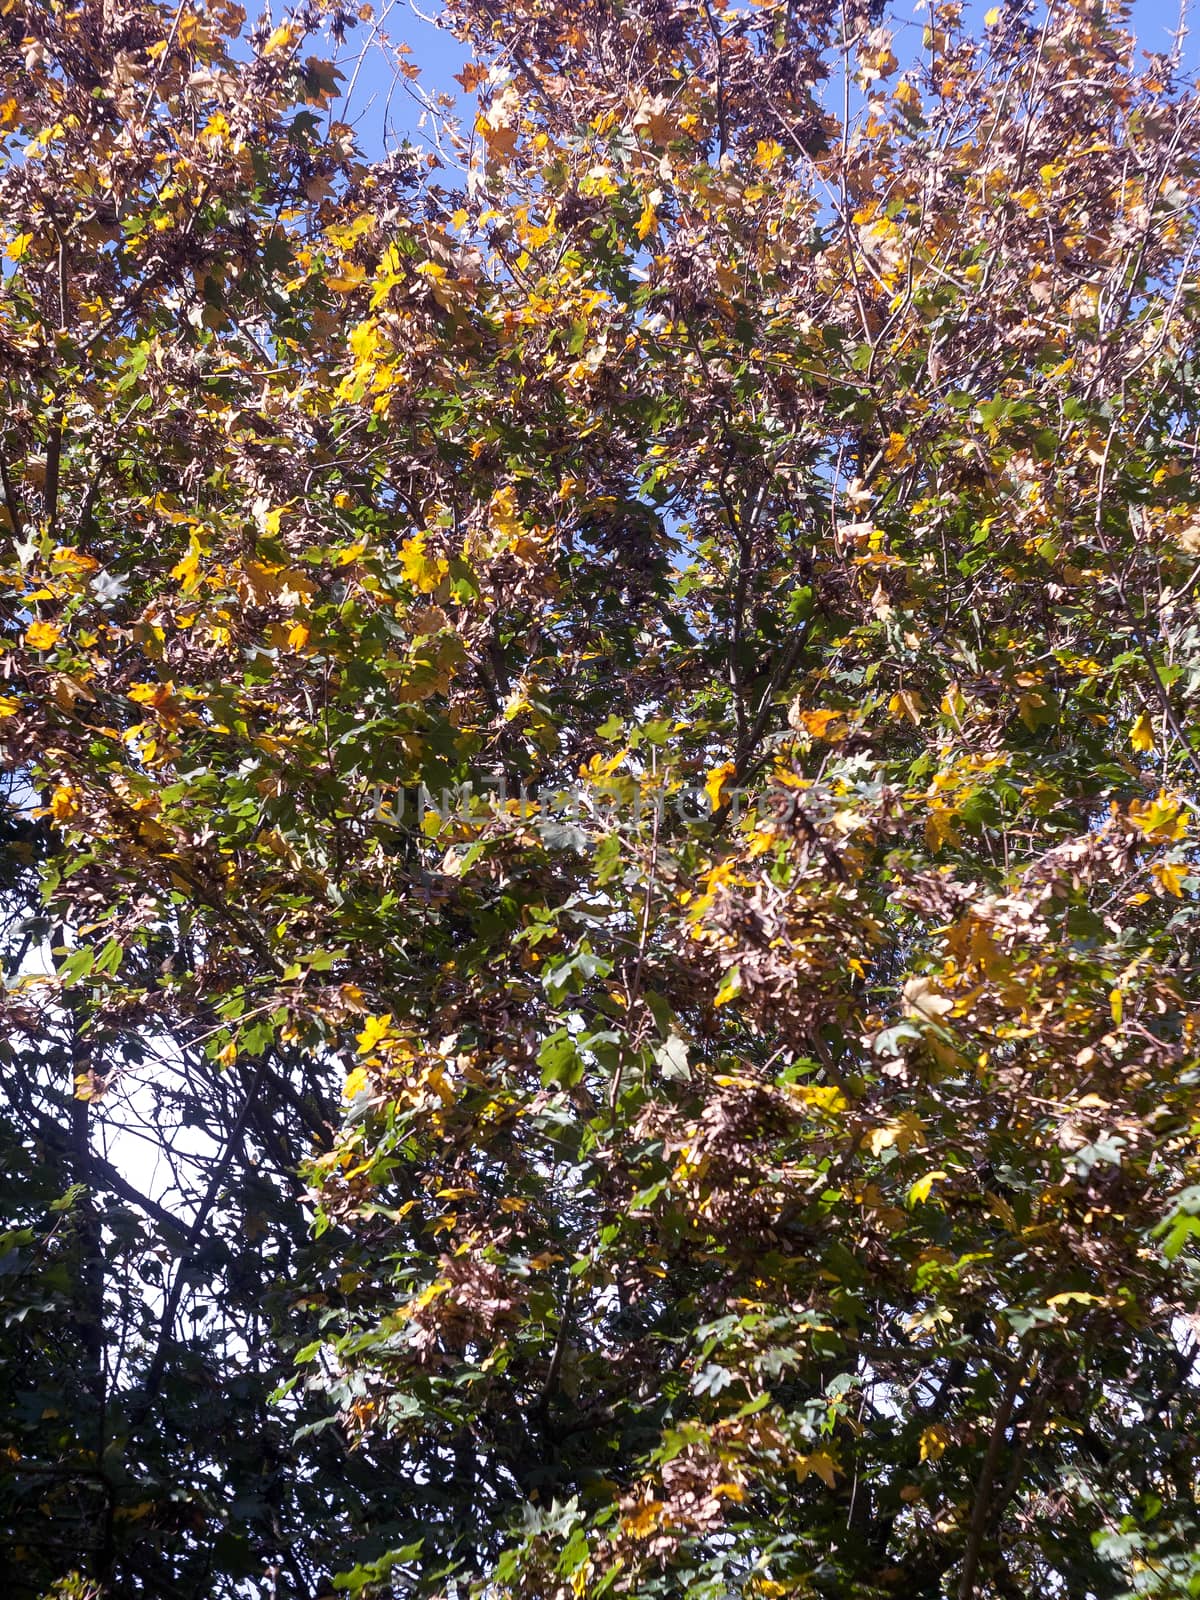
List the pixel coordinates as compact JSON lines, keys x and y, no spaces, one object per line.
{"x":383,"y":107}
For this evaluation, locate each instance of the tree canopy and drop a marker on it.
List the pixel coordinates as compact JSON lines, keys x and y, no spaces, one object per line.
{"x":598,"y":859}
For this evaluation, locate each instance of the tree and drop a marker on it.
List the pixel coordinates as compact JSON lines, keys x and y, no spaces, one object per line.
{"x":652,"y":654}
{"x":157,"y":191}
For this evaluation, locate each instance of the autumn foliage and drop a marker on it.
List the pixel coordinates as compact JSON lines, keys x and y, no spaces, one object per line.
{"x":602,"y":766}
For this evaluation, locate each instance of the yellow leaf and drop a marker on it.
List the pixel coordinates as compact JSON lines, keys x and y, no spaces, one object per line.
{"x":502,"y":512}
{"x":273,"y":520}
{"x":42,"y":635}
{"x":907,"y":703}
{"x":820,"y":1097}
{"x":1141,"y":735}
{"x":8,"y":706}
{"x":351,"y":277}
{"x":992,"y":17}
{"x":818,"y":1462}
{"x":1170,"y":876}
{"x":282,"y":39}
{"x":375,"y":1029}
{"x":423,"y":571}
{"x":934,"y":1440}
{"x":1161,"y":820}
{"x":904,"y":1132}
{"x":186,"y":571}
{"x":648,"y":220}
{"x":730,"y":988}
{"x":907,"y":94}
{"x":923,"y":1188}
{"x":65,"y":803}
{"x":828,"y":725}
{"x":717,"y":782}
{"x":642,"y":1522}
{"x":158,"y":697}
{"x":214,"y":131}
{"x":19,"y":246}
{"x":498,"y":126}
{"x":365,"y":341}
{"x":356,"y":1082}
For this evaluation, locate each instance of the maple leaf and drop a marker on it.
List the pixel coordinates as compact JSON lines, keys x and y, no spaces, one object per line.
{"x":818,"y":1463}
{"x":375,"y":1031}
{"x":499,"y":125}
{"x":1171,"y":876}
{"x":1161,"y":820}
{"x":281,"y":39}
{"x":1141,"y":735}
{"x":920,"y":1191}
{"x":934,"y":1440}
{"x":424,"y":571}
{"x":716,"y":784}
{"x":66,"y":803}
